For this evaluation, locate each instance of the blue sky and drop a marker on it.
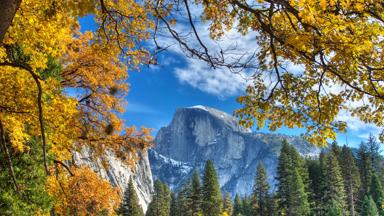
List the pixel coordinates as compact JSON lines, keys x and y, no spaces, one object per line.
{"x":157,"y":91}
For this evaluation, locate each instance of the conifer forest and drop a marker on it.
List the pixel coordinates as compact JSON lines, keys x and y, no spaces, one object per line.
{"x":191,"y":107}
{"x":341,"y":181}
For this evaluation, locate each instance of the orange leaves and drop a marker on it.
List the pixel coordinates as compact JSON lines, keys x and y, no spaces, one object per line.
{"x":83,"y":83}
{"x":98,"y":79}
{"x":87,"y":66}
{"x":85,"y":193}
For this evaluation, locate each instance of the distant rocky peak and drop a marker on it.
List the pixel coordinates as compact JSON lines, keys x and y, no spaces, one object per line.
{"x":200,"y":133}
{"x":220,"y":116}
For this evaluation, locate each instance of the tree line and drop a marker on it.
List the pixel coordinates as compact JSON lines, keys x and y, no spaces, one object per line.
{"x":340,"y":181}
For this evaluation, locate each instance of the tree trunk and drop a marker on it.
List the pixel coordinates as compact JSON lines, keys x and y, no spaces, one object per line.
{"x":8,"y":10}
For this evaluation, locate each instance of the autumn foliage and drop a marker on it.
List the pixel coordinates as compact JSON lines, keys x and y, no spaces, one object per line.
{"x":312,"y":64}
{"x":336,"y":44}
{"x":65,"y":89}
{"x":85,"y":193}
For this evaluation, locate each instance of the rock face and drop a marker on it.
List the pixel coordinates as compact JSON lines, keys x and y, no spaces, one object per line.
{"x":199,"y":133}
{"x":119,"y":173}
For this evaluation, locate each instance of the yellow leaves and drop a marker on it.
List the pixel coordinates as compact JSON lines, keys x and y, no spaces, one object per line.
{"x":85,"y":193}
{"x":3,"y":54}
{"x":337,"y":43}
{"x":16,"y":131}
{"x":19,"y":112}
{"x":83,"y":79}
{"x":61,"y":117}
{"x":42,"y":30}
{"x":83,"y":98}
{"x":323,"y":4}
{"x":359,"y":5}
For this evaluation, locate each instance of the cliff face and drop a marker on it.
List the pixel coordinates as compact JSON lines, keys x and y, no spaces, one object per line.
{"x":118,"y":174}
{"x":199,"y":133}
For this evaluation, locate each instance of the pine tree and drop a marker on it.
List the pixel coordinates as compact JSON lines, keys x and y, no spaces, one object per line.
{"x":246,"y":206}
{"x":314,"y":171}
{"x":212,"y":204}
{"x":299,"y":163}
{"x":365,"y":168}
{"x":333,"y":189}
{"x":369,"y":207}
{"x":351,"y":178}
{"x":374,"y":152}
{"x":195,"y":194}
{"x":174,"y":207}
{"x":227,"y":204}
{"x":182,"y":202}
{"x":381,"y":173}
{"x":292,"y":177}
{"x":376,"y":192}
{"x":130,"y":205}
{"x":260,"y":195}
{"x":160,"y":204}
{"x":284,"y":170}
{"x":166,"y":200}
{"x":237,"y":206}
{"x":154,"y":205}
{"x":273,"y":205}
{"x":298,"y":201}
{"x":334,"y":210}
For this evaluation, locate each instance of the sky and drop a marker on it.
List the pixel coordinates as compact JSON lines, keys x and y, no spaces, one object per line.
{"x":178,"y":81}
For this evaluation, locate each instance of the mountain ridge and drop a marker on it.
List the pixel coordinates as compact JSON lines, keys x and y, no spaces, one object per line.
{"x":199,"y":133}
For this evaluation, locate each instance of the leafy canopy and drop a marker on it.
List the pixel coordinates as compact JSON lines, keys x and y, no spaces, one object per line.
{"x":337,"y":46}
{"x":65,"y":89}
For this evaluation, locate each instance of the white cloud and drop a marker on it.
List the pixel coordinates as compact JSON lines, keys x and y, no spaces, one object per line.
{"x":218,"y":82}
{"x":356,"y":125}
{"x":222,"y":82}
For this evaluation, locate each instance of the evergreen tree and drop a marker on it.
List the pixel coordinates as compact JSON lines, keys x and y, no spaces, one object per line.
{"x":333,"y":189}
{"x":160,"y":204}
{"x":381,"y":173}
{"x":298,"y":201}
{"x":227,"y":204}
{"x":166,"y":200}
{"x":174,"y":211}
{"x":315,"y":176}
{"x":246,"y":206}
{"x":130,"y":205}
{"x":284,"y":170}
{"x":292,"y":189}
{"x":351,"y":178}
{"x":374,"y":152}
{"x":376,"y":192}
{"x":299,"y":163}
{"x":31,"y":179}
{"x":212,"y":204}
{"x":336,"y":150}
{"x":260,"y":194}
{"x":273,"y":205}
{"x":237,"y":206}
{"x":194,"y":195}
{"x":365,"y":168}
{"x":369,"y":207}
{"x":182,"y":202}
{"x":334,"y":210}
